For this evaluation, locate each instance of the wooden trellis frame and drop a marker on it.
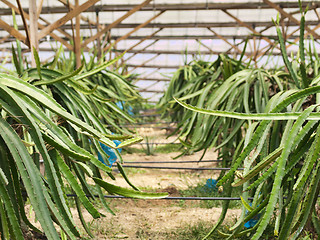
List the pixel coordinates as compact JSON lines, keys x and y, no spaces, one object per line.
{"x":36,"y":27}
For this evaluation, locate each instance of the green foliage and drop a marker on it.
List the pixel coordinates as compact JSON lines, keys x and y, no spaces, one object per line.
{"x":59,"y":116}
{"x":112,"y":189}
{"x":150,"y":147}
{"x":266,"y":122}
{"x":226,"y":85}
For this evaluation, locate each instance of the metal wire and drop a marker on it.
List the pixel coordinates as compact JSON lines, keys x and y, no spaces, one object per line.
{"x":173,"y":198}
{"x":216,"y":160}
{"x":144,"y":123}
{"x":187,"y":198}
{"x":167,"y":198}
{"x":179,"y":168}
{"x":148,"y":115}
{"x":154,"y":127}
{"x":154,"y":143}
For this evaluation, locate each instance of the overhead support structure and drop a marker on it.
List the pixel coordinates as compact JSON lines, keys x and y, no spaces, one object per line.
{"x":134,"y":30}
{"x":116,"y":22}
{"x":210,"y":50}
{"x":241,"y":23}
{"x":85,"y":19}
{"x":120,"y":31}
{"x":150,"y":74}
{"x":188,"y":24}
{"x":145,"y":62}
{"x":153,"y":79}
{"x":13,"y":32}
{"x":143,"y":39}
{"x":225,"y":40}
{"x":175,"y":37}
{"x":39,"y":8}
{"x":155,"y":66}
{"x":177,"y":7}
{"x":99,"y":38}
{"x":168,"y":52}
{"x":5,"y":38}
{"x":54,"y":36}
{"x":140,"y":51}
{"x":73,"y":13}
{"x":175,"y":52}
{"x":25,"y":25}
{"x":290,"y":17}
{"x":292,"y":20}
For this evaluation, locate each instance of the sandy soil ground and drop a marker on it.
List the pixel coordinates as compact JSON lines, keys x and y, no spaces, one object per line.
{"x":162,"y":178}
{"x":151,"y":217}
{"x":138,"y":219}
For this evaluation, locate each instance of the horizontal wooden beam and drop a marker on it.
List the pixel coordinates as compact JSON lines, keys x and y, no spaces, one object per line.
{"x":202,"y":37}
{"x":182,"y":52}
{"x":180,"y":37}
{"x":15,"y":33}
{"x":154,"y":66}
{"x":193,"y":25}
{"x":146,"y":51}
{"x":9,"y":39}
{"x":174,"y":52}
{"x":175,"y":7}
{"x":5,"y":38}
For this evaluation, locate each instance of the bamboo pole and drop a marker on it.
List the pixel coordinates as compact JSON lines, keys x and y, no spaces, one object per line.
{"x":34,"y":41}
{"x":77,"y":44}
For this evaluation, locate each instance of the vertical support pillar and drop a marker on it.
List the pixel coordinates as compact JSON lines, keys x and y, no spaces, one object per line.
{"x":34,"y":41}
{"x":77,"y":44}
{"x":99,"y":38}
{"x":255,"y":49}
{"x":39,"y":8}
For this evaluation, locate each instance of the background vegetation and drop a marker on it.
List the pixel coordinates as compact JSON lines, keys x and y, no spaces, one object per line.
{"x":60,"y":116}
{"x":266,"y":121}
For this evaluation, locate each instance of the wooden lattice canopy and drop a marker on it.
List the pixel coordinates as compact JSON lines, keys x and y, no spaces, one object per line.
{"x":159,"y":35}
